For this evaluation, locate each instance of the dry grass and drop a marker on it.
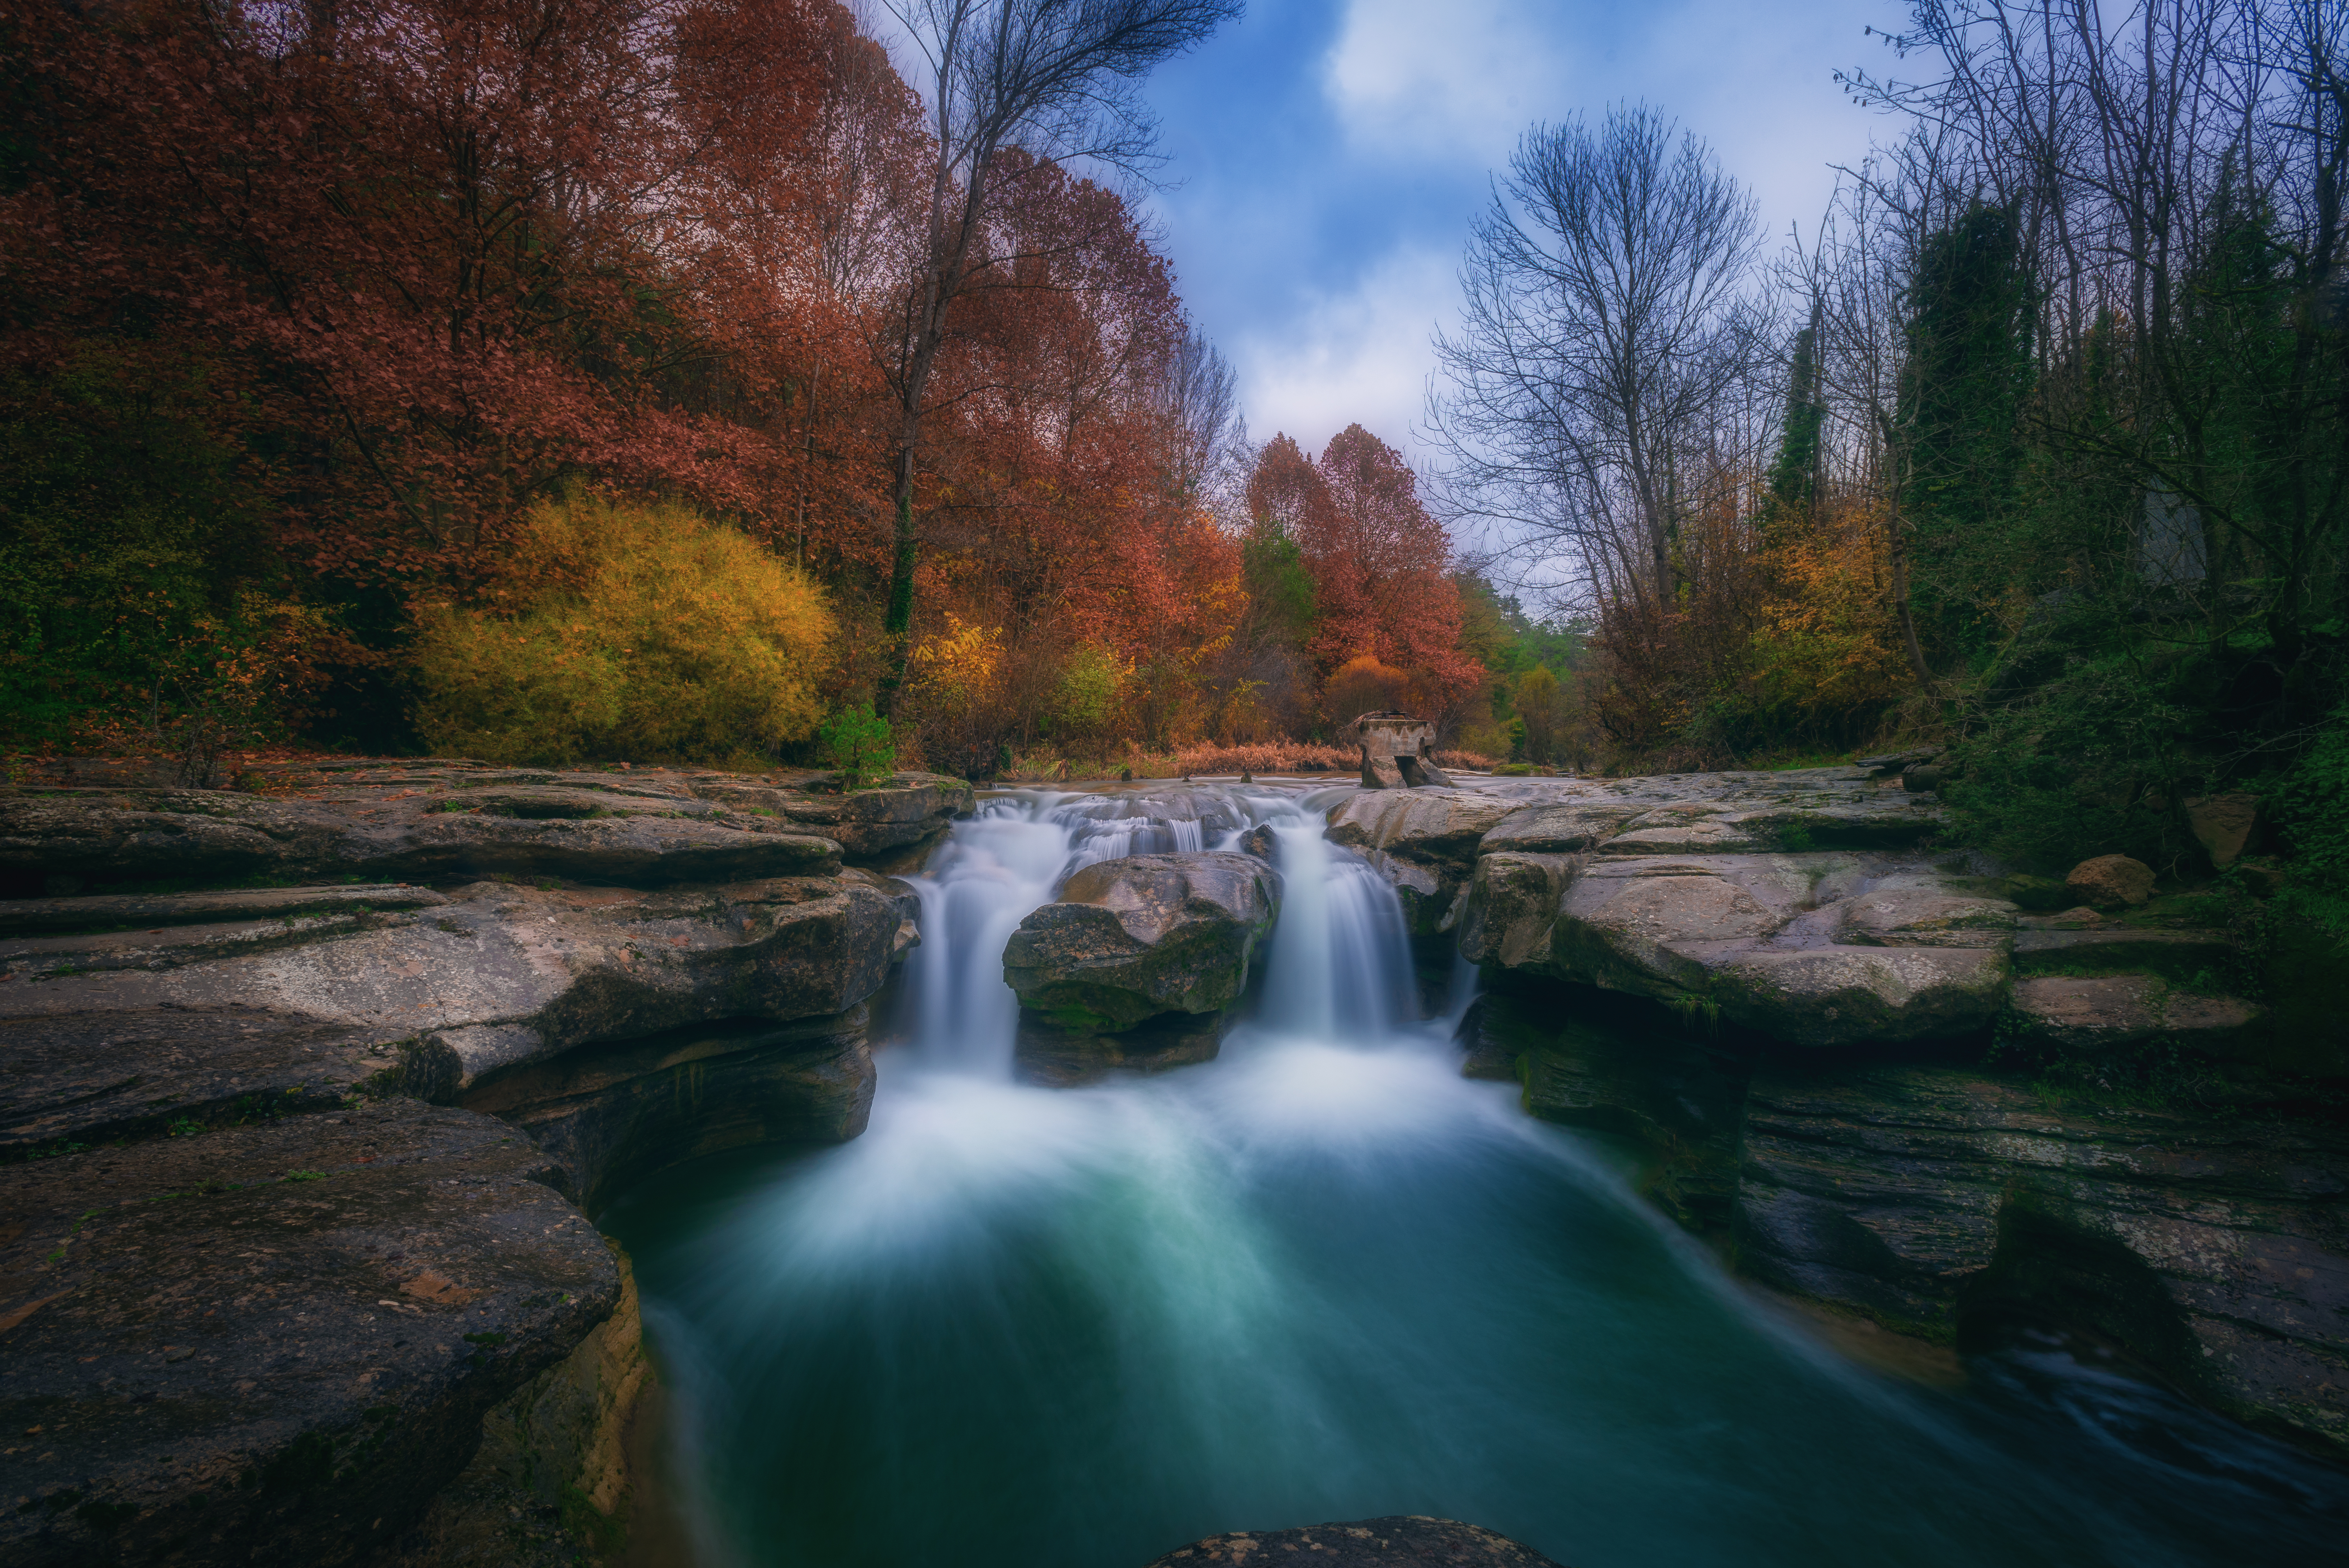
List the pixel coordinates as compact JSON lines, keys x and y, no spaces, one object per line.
{"x":1296,"y":757}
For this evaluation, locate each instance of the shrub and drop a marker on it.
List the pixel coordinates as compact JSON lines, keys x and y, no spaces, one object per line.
{"x":655,"y":634}
{"x":1086,"y":698}
{"x":1364,"y":685}
{"x":857,"y":741}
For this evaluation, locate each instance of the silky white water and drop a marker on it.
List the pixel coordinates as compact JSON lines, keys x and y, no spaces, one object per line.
{"x":1321,"y":1277}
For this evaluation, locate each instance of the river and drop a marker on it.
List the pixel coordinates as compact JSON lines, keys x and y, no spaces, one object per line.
{"x":1321,"y":1277}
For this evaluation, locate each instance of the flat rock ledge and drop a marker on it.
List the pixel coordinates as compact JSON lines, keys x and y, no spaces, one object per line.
{"x":305,"y":1100}
{"x":373,"y":820}
{"x":1390,"y":1543}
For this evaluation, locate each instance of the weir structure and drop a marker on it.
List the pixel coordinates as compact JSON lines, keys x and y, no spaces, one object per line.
{"x":1398,"y":752}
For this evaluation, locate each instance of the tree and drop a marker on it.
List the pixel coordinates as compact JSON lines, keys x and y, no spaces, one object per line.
{"x":1605,"y":321}
{"x":1056,"y":79}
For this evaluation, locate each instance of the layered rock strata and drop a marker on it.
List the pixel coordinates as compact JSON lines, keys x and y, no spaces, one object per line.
{"x":2211,"y":1248}
{"x":300,"y":1167}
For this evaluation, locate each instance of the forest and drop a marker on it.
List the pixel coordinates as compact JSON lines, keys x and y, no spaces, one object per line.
{"x":621,"y":379}
{"x":678,"y":379}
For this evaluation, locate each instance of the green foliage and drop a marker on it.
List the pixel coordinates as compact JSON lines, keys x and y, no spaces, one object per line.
{"x":2086,"y":763}
{"x":857,"y":742}
{"x":1793,"y":476}
{"x":645,"y":632}
{"x":1968,"y":368}
{"x":1279,"y":587}
{"x":2309,"y":805}
{"x":1086,"y":698}
{"x":140,"y":601}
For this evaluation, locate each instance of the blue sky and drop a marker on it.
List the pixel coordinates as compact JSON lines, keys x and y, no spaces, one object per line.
{"x":1330,"y":153}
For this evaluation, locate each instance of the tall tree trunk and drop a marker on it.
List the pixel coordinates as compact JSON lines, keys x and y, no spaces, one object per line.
{"x":898,"y":622}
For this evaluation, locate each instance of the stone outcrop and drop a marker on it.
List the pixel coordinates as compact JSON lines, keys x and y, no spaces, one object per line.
{"x":1131,"y":940}
{"x":2188,"y":1223}
{"x":2224,"y":825}
{"x":1398,"y":752}
{"x":396,"y":821}
{"x":114,"y":1034}
{"x":2093,"y":1013}
{"x":1399,"y":1542}
{"x":2210,"y":1248}
{"x":264,"y":1295}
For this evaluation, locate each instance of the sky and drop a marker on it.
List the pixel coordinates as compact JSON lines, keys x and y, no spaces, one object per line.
{"x":1329,"y":154}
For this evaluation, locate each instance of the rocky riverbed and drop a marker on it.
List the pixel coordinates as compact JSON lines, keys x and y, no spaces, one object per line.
{"x":312,"y":1087}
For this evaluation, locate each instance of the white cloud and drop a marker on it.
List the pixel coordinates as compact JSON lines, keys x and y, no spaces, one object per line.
{"x":1359,"y":356}
{"x":1442,"y":84}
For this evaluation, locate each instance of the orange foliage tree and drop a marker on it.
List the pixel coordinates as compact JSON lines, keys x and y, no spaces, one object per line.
{"x":1379,"y":564}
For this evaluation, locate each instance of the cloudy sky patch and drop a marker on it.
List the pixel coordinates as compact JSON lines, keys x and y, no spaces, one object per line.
{"x":1330,"y":154}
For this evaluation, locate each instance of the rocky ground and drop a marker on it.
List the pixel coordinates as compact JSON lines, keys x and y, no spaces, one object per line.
{"x":307,"y":1091}
{"x":1397,"y":1542}
{"x":1964,"y":1105}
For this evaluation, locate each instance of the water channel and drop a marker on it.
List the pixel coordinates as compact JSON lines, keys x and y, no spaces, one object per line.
{"x":1321,"y":1277}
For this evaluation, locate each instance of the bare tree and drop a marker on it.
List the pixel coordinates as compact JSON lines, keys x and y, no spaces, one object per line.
{"x":1607,"y":321}
{"x":1202,"y":400}
{"x":1059,"y":80}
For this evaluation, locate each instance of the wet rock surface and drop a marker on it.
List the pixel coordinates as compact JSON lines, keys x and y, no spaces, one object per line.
{"x":1819,"y":948}
{"x":1128,"y":940}
{"x":1055,"y":1057}
{"x":608,"y":1116}
{"x":274,"y":1343}
{"x":1424,"y":841}
{"x":1414,"y":1538}
{"x":114,"y":1035}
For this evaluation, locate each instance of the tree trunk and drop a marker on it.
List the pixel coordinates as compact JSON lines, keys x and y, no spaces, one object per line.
{"x":898,"y":622}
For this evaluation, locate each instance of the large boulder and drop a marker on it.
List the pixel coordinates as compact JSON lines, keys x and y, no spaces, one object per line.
{"x":1424,"y":841}
{"x":2110,"y":882}
{"x":1132,"y":939}
{"x":274,"y":1343}
{"x":1943,"y":1202}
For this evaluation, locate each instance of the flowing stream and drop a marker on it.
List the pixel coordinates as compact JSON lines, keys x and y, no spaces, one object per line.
{"x":1321,"y":1277}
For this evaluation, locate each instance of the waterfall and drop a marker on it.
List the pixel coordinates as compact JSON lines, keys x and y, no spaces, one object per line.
{"x":1339,"y":964}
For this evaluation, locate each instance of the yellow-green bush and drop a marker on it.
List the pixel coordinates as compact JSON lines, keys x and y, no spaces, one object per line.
{"x":657,"y":634}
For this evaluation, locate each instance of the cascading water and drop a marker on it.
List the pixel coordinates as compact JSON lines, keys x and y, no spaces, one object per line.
{"x":1320,"y":1277}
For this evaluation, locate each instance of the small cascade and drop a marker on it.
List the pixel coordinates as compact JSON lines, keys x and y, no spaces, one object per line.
{"x":1014,"y":854}
{"x":1340,"y":966}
